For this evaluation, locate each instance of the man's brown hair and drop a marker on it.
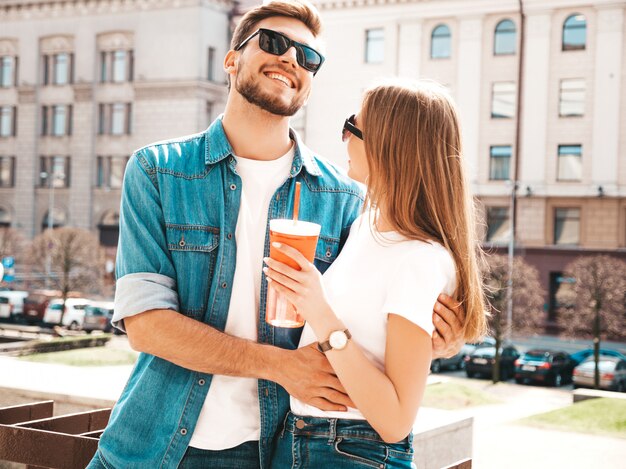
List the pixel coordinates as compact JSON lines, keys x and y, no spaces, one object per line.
{"x":300,"y":10}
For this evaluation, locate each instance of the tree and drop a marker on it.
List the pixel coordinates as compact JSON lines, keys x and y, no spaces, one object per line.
{"x":528,"y":315}
{"x":75,"y":258}
{"x":11,"y":242}
{"x":596,"y":304}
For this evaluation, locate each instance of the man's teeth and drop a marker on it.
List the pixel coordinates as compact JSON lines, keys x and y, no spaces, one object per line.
{"x":279,"y":77}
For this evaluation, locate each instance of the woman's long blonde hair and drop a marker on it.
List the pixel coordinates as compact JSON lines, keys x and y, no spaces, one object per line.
{"x":416,"y":173}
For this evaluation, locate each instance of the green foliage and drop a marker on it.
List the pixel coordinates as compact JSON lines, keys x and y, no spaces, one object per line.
{"x":95,"y":356}
{"x":603,"y":416}
{"x":452,"y":396}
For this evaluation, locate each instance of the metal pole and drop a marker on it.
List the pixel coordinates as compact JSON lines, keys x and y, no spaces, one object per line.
{"x":514,"y":176}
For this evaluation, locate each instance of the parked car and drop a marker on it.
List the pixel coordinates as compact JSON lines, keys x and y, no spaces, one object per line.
{"x":98,"y":317}
{"x":545,"y":366}
{"x":16,"y":300}
{"x":74,"y":312}
{"x":481,"y":361}
{"x":35,"y":305}
{"x":582,"y":355}
{"x":612,"y":374}
{"x":457,"y":362}
{"x":5,"y":308}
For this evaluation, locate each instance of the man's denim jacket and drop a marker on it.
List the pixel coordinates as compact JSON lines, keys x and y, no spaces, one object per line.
{"x":177,"y":251}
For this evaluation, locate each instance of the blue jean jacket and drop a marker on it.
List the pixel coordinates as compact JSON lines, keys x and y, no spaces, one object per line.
{"x":177,"y":250}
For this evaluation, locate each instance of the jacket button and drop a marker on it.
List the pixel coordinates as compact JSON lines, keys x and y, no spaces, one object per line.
{"x":300,"y":424}
{"x":224,"y":285}
{"x":229,"y":236}
{"x":181,"y":243}
{"x":183,"y":431}
{"x":201,"y":382}
{"x":329,"y":253}
{"x":233,"y":187}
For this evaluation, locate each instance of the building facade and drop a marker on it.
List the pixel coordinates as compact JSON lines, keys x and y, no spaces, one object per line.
{"x":572,"y":156}
{"x":83,"y":84}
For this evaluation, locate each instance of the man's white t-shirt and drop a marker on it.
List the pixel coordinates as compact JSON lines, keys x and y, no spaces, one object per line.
{"x":230,"y":415}
{"x":373,"y":277}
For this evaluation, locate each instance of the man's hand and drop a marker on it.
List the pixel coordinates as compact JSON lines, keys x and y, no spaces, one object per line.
{"x":448,"y":318}
{"x":308,"y":376}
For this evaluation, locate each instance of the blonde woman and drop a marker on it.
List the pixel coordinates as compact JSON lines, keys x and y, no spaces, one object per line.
{"x":371,"y":311}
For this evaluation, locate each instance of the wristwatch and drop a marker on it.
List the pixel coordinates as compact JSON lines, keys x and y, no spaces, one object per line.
{"x":336,"y":341}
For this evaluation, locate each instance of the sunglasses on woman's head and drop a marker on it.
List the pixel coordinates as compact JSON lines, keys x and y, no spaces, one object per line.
{"x":349,"y":127}
{"x":276,"y":43}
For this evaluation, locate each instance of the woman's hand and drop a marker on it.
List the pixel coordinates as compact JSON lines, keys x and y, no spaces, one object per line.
{"x":303,"y":288}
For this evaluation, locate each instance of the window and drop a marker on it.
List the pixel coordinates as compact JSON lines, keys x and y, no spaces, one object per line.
{"x":8,"y":71}
{"x":211,"y":64}
{"x":54,"y":171}
{"x":209,"y":112}
{"x":109,"y":227}
{"x":8,"y":121}
{"x":374,"y":46}
{"x":441,"y":42}
{"x":572,"y":97}
{"x":499,"y":162}
{"x":570,"y":167}
{"x":111,"y":171}
{"x":7,"y":171}
{"x":114,"y":119}
{"x":498,"y":225}
{"x":58,"y":69}
{"x":567,"y":226}
{"x":575,"y":32}
{"x":503,"y":100}
{"x":505,"y":39}
{"x":57,"y":218}
{"x":5,"y":218}
{"x":56,"y":120}
{"x":116,"y":66}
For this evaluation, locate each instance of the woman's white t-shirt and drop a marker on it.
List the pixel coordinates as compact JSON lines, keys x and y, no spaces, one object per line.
{"x":373,"y":277}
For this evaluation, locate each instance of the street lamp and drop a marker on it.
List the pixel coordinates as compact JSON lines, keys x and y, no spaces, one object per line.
{"x":51,"y":178}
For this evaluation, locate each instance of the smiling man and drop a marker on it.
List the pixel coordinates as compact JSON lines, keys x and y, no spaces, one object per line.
{"x":210,"y":388}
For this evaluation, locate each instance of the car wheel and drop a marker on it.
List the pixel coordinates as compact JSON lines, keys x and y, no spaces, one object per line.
{"x":470,"y":374}
{"x":519,"y":380}
{"x":558,"y":380}
{"x":435,"y":367}
{"x":73,"y":326}
{"x":621,"y":387}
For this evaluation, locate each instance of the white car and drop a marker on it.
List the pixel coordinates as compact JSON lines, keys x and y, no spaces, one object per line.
{"x":16,"y":301}
{"x":74,"y":312}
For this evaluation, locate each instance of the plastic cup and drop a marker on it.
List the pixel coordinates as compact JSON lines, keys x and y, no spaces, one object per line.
{"x":302,"y":236}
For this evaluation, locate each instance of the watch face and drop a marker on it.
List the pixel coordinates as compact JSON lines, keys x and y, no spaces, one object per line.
{"x":338,"y":340}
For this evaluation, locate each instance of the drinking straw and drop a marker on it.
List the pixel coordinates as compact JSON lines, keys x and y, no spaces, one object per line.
{"x":296,"y":204}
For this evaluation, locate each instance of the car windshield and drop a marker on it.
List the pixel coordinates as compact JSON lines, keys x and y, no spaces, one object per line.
{"x":537,"y":356}
{"x":485,"y":352}
{"x":604,"y":365}
{"x":57,"y":306}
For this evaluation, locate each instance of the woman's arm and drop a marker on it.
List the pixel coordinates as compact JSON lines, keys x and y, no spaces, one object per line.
{"x":388,"y":400}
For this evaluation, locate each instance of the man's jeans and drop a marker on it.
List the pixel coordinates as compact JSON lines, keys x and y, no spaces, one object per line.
{"x":244,"y":456}
{"x":312,"y":443}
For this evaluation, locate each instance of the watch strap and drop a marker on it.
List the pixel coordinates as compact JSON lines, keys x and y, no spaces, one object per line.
{"x":325,"y":346}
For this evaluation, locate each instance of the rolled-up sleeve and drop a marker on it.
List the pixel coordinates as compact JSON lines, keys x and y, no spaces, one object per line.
{"x":144,"y":270}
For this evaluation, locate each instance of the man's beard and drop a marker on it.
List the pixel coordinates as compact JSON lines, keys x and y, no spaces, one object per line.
{"x":251,"y":91}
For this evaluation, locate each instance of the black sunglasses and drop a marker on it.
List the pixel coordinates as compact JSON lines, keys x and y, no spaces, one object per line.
{"x":349,"y":127}
{"x":276,"y":43}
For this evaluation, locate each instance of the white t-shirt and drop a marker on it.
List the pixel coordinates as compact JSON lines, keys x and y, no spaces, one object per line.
{"x":372,"y":278}
{"x":231,"y":413}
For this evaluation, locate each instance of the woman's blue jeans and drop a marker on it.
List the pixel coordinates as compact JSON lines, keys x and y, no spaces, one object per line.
{"x":311,"y":442}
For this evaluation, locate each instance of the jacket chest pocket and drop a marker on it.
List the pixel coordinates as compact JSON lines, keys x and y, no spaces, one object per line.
{"x":194,"y":251}
{"x":326,"y":252}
